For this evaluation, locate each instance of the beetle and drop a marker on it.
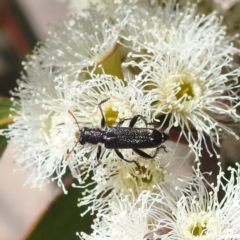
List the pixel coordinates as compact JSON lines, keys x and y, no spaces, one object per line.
{"x":118,"y":137}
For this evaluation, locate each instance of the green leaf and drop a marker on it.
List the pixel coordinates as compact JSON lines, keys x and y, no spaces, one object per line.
{"x":63,"y":220}
{"x":3,"y":145}
{"x":5,"y":105}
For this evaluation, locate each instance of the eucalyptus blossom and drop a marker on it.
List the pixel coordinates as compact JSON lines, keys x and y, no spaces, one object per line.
{"x":185,"y":66}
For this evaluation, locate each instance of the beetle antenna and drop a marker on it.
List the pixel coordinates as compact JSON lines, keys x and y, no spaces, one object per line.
{"x":68,"y":155}
{"x":74,"y":119}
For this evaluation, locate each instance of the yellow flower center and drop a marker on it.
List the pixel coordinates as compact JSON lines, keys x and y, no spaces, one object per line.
{"x":202,"y":225}
{"x":199,"y":229}
{"x":145,"y":179}
{"x":186,"y":89}
{"x":182,"y":92}
{"x":111,"y":115}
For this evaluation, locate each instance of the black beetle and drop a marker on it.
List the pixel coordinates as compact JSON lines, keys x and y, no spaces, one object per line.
{"x":118,"y":137}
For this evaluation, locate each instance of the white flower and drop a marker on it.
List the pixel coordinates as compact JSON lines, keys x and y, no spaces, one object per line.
{"x":114,"y":174}
{"x":37,"y":133}
{"x":192,"y":212}
{"x":82,"y":43}
{"x":199,"y":214}
{"x":176,"y":27}
{"x":127,"y":219}
{"x":133,"y":217}
{"x":44,"y":131}
{"x":185,"y":66}
{"x":192,"y":93}
{"x":41,"y":130}
{"x":123,"y":178}
{"x":122,"y":102}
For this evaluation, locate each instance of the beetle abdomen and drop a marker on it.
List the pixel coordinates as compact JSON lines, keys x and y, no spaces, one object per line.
{"x":126,"y":137}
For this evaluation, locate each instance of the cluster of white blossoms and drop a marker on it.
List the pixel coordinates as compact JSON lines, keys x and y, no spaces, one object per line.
{"x":115,"y":60}
{"x":195,"y":213}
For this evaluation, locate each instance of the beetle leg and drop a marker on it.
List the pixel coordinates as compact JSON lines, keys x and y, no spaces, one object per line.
{"x":121,"y":122}
{"x":99,"y":150}
{"x":164,"y":148}
{"x":135,"y":119}
{"x":130,"y":161}
{"x":100,"y":108}
{"x":145,"y":155}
